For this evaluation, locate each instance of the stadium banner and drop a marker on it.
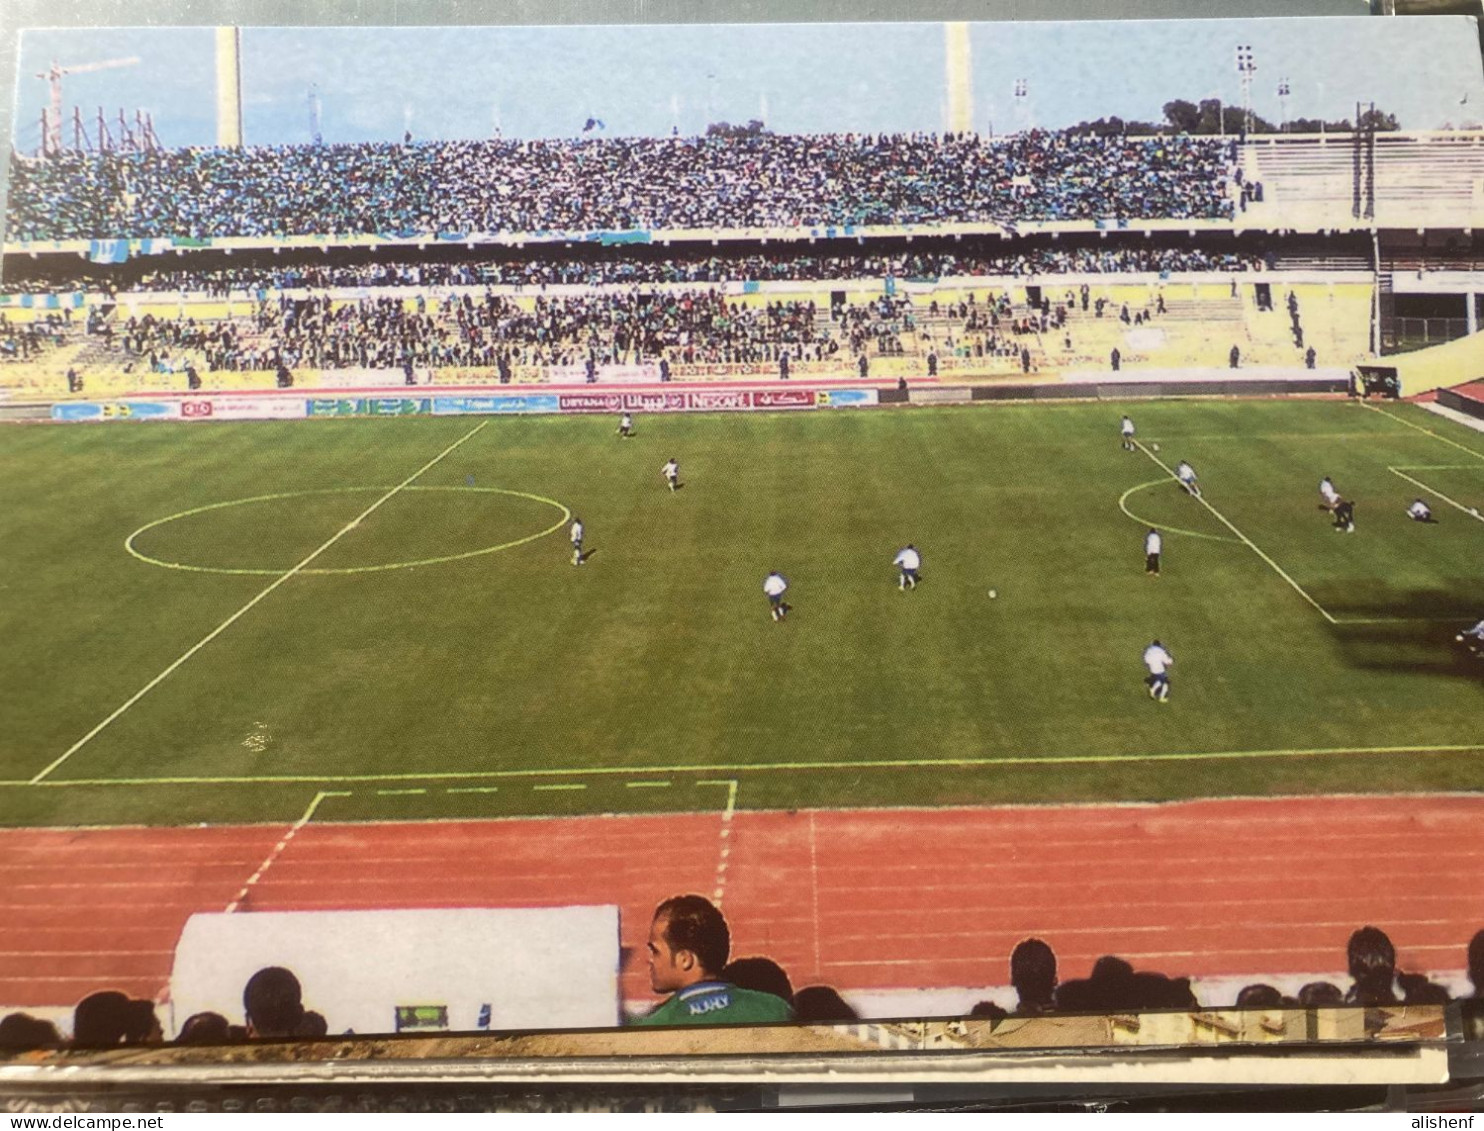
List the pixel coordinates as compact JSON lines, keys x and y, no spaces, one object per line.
{"x":722,"y":399}
{"x":622,"y":402}
{"x":504,"y":403}
{"x":845,"y":398}
{"x":783,"y":398}
{"x":242,"y":408}
{"x":692,"y":400}
{"x":368,"y":406}
{"x":607,"y":374}
{"x":117,"y":410}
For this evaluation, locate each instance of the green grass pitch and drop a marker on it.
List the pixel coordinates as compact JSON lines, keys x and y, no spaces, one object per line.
{"x":1306,"y":660}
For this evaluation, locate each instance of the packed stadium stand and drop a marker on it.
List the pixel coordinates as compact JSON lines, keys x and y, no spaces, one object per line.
{"x":502,"y":262}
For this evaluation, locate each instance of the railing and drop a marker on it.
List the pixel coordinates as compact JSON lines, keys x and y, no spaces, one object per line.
{"x":1417,"y":333}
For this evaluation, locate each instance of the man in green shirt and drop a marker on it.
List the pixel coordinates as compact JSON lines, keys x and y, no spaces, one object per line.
{"x":689,"y":943}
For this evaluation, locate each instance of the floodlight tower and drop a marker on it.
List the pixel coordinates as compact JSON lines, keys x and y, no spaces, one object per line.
{"x":51,"y":120}
{"x":1246,"y":68}
{"x":1022,"y":98}
{"x":315,"y":133}
{"x":959,"y":71}
{"x":229,"y":88}
{"x":1283,"y":92}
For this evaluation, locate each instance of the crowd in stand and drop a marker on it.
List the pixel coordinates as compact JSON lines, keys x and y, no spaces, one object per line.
{"x":706,"y":269}
{"x":767,"y":180}
{"x":493,"y":332}
{"x":689,"y":958}
{"x":498,"y":332}
{"x":23,"y":341}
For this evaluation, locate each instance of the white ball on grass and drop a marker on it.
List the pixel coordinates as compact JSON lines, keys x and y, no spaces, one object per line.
{"x":993,"y":593}
{"x":1154,"y":446}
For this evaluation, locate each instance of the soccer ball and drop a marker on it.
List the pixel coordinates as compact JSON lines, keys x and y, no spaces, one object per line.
{"x":993,"y":593}
{"x":1154,"y":446}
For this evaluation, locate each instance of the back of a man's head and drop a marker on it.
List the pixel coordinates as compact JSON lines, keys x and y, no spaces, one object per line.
{"x":22,"y":1031}
{"x":693,"y":923}
{"x":1371,"y":957}
{"x":273,"y":1002}
{"x":204,"y":1029}
{"x":1476,"y":963}
{"x":1033,"y":973}
{"x":1315,"y":994}
{"x":761,"y":974}
{"x":100,"y":1019}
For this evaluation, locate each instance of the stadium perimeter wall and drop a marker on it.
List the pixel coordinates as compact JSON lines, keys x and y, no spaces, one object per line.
{"x":1427,"y":370}
{"x":650,"y":399}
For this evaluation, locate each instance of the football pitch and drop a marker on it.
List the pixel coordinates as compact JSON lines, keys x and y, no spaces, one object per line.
{"x":221,"y":622}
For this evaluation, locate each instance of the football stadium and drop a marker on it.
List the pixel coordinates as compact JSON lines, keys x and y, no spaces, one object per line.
{"x":923,"y":547}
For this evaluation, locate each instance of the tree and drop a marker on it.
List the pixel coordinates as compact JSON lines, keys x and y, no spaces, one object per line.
{"x":754,"y":128}
{"x":1377,"y":120}
{"x":1212,"y":115}
{"x":1114,"y":126}
{"x":1184,"y":117}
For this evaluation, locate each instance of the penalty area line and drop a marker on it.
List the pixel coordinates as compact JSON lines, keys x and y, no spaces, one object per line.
{"x":1454,"y":503}
{"x":1248,"y":542}
{"x":242,"y":612}
{"x":1424,"y":431}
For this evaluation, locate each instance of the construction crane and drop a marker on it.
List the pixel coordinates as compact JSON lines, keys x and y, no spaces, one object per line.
{"x":51,"y":123}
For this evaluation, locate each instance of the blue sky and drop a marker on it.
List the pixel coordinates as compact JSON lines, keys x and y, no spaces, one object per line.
{"x":546,"y":81}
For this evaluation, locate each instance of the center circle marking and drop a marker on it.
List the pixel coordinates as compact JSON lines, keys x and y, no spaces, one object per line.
{"x":186,"y":566}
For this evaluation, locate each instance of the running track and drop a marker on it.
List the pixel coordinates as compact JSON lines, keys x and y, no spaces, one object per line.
{"x":863,"y":900}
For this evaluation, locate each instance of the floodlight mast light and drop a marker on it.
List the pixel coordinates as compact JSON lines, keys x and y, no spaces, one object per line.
{"x":1246,"y":68}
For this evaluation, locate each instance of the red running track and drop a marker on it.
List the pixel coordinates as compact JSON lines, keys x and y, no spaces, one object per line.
{"x":863,"y":900}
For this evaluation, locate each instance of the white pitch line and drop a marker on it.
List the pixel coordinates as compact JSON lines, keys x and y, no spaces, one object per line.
{"x":1248,"y":542}
{"x":231,"y":620}
{"x":1454,"y":503}
{"x":800,"y":767}
{"x":726,"y":838}
{"x":1424,"y":431}
{"x":280,"y":846}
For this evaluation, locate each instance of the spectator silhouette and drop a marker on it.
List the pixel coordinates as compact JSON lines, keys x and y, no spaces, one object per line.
{"x":822,"y":1005}
{"x":205,"y":1029}
{"x":1418,"y":990}
{"x":22,"y":1031}
{"x":109,"y":1018}
{"x":1033,"y":974}
{"x":1317,"y":994}
{"x":761,"y":974}
{"x":1372,"y":963}
{"x":1114,"y":986}
{"x":274,"y":1004}
{"x":1259,"y":995}
{"x":1476,"y":964}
